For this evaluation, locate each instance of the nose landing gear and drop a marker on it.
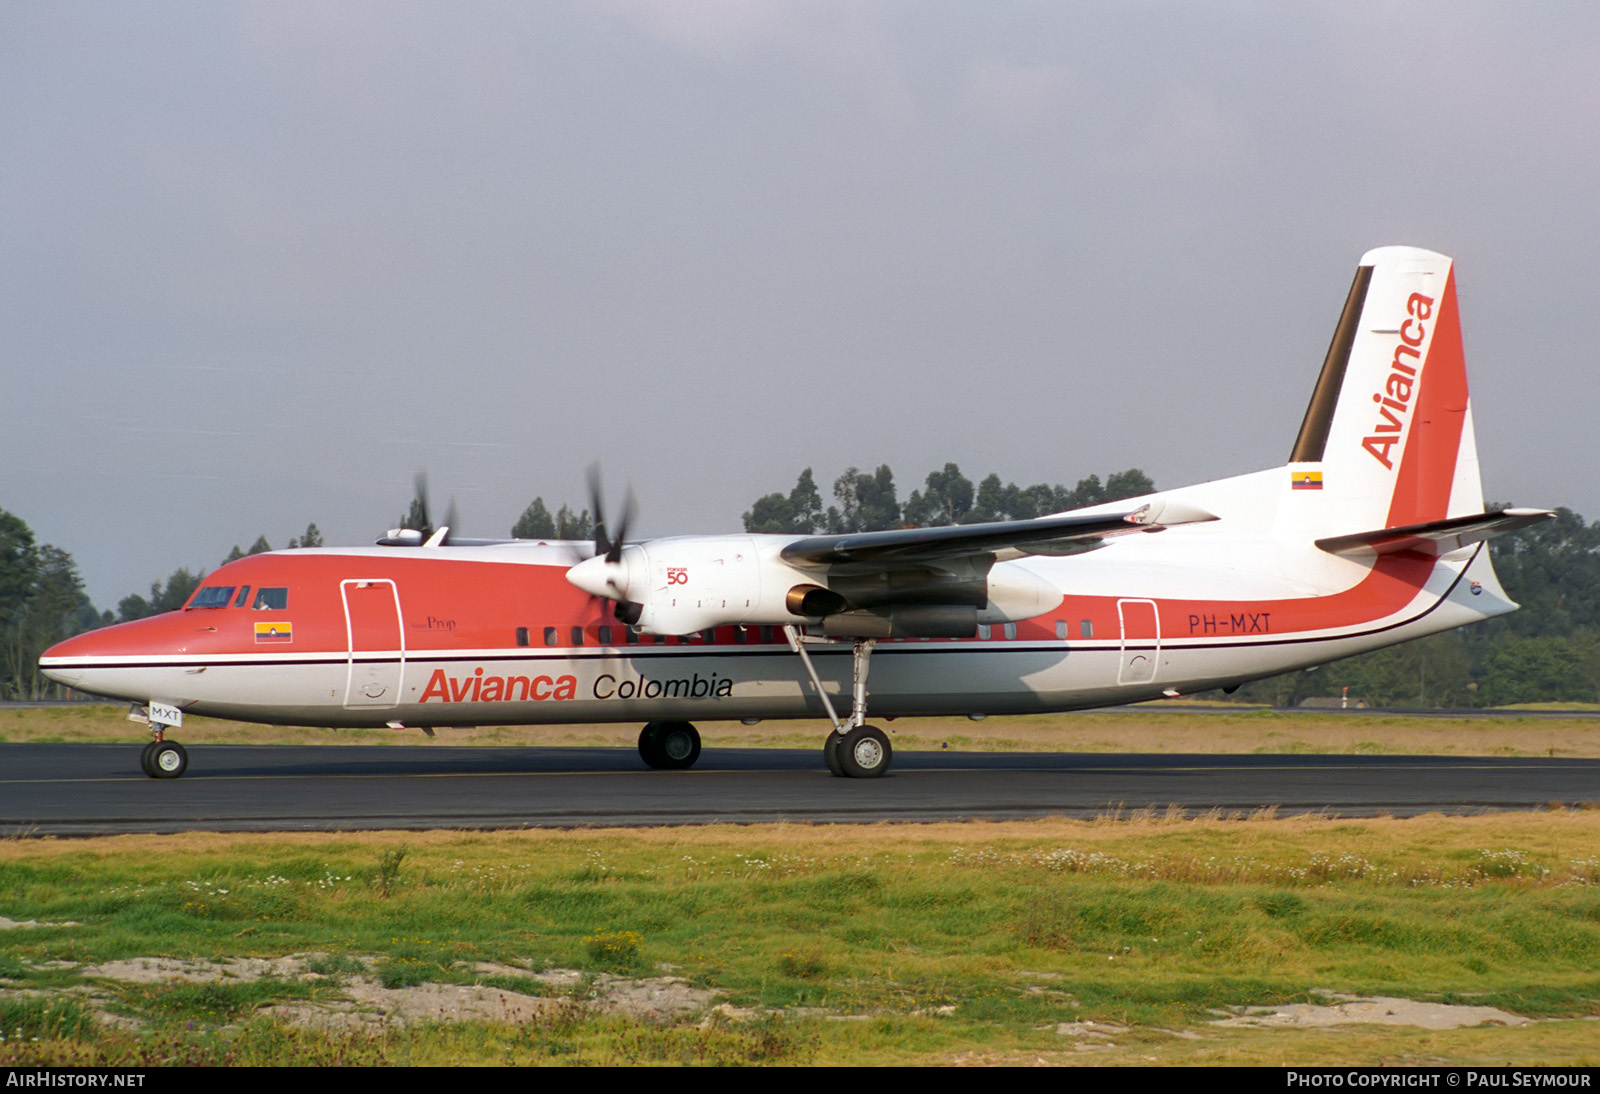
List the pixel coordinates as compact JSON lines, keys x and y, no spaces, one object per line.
{"x":164,"y":759}
{"x":161,"y":758}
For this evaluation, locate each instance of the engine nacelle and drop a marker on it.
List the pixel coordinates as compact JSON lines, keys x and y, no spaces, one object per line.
{"x":690,"y":583}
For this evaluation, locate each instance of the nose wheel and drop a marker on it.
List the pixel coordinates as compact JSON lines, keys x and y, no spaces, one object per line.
{"x":164,"y":759}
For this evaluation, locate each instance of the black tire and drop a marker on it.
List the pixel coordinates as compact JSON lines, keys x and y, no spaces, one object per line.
{"x":144,"y":759}
{"x":669,"y":746}
{"x":830,"y":754}
{"x":650,"y":744}
{"x":168,"y":760}
{"x":864,"y":753}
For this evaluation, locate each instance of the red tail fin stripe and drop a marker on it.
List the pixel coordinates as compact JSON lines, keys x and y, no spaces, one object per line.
{"x":1428,"y":466}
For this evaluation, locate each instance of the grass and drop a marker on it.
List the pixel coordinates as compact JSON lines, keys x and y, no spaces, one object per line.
{"x":1219,"y":729}
{"x":935,"y":943}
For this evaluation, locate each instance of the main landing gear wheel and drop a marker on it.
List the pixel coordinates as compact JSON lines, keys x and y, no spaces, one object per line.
{"x":864,"y":753}
{"x":165,"y":759}
{"x":669,"y":746}
{"x":830,"y":754}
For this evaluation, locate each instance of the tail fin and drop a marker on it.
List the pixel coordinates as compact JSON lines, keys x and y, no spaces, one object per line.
{"x":1387,"y":441}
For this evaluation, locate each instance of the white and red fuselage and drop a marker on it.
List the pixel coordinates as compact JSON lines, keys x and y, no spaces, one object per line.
{"x":1286,"y":568}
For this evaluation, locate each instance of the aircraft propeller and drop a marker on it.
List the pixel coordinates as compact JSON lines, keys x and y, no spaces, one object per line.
{"x":425,"y":534}
{"x":607,"y":579}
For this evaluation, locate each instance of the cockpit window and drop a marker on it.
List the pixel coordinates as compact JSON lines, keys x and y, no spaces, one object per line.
{"x":244,"y":594}
{"x":271,"y":600}
{"x":213,"y":596}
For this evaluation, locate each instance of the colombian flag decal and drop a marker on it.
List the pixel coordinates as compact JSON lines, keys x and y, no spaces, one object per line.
{"x":1305,"y":480}
{"x":274,"y":632}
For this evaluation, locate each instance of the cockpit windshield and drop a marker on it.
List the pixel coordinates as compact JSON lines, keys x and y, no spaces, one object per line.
{"x":213,"y":596}
{"x":275,"y":600}
{"x":266,"y":599}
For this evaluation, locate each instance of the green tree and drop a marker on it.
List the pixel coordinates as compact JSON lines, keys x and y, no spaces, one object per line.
{"x":570,"y":525}
{"x":41,"y":602}
{"x":17,"y":564}
{"x":1541,"y":668}
{"x":800,"y":513}
{"x":535,"y":522}
{"x":867,"y":501}
{"x":1131,"y":483}
{"x":947,"y":499}
{"x":168,"y":597}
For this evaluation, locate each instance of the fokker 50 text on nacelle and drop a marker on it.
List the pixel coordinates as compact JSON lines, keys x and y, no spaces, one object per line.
{"x":1371,"y":535}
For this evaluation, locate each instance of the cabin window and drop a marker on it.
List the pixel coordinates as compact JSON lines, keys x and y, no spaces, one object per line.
{"x":739,"y":636}
{"x":1011,"y":630}
{"x":549,"y":636}
{"x":522,"y":636}
{"x":983,"y":631}
{"x":271,"y":600}
{"x":605,"y":636}
{"x":630,"y":636}
{"x":244,"y":594}
{"x":213,"y":596}
{"x":1086,"y":628}
{"x":577,"y":636}
{"x":1061,"y":628}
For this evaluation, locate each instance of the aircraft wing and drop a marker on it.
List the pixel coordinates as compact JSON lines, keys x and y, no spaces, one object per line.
{"x":911,"y":546}
{"x":1435,"y":537}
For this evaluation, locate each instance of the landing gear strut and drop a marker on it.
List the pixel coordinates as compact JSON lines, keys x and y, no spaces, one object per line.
{"x":671,"y":746}
{"x":854,"y":749}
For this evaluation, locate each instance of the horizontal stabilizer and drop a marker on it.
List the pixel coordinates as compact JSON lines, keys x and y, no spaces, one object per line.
{"x":1435,"y":537}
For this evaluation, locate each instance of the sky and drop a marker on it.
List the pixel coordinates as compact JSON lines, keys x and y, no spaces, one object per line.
{"x":260,"y":263}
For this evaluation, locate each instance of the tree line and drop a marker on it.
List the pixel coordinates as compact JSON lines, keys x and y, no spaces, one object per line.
{"x":866,"y":501}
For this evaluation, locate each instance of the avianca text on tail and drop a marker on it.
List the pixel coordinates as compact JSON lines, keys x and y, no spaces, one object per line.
{"x":1394,"y":401}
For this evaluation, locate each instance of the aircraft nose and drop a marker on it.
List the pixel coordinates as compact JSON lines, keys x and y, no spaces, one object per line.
{"x":104,"y":661}
{"x":60,"y":662}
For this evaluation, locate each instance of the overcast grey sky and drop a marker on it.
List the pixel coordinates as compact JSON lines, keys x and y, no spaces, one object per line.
{"x":260,"y":262}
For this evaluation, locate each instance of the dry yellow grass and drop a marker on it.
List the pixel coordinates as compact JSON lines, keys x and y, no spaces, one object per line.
{"x":1149,"y":729}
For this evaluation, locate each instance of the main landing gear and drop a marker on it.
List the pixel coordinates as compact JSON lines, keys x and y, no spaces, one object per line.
{"x":854,"y":749}
{"x":670,"y":746}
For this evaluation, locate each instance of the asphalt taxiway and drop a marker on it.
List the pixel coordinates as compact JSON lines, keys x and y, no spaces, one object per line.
{"x":98,"y":789}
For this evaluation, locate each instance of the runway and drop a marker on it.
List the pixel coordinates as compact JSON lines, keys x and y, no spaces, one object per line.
{"x":97,"y":789}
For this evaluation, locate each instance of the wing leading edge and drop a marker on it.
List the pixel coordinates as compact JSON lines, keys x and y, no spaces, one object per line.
{"x":914,"y":546}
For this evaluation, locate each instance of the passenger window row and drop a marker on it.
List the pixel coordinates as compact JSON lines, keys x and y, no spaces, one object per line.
{"x":608,"y":635}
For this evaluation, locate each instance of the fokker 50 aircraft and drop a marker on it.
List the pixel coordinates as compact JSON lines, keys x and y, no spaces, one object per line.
{"x":1372,"y":534}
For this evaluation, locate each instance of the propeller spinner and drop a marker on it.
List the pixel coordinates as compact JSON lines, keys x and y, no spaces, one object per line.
{"x":607,"y":574}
